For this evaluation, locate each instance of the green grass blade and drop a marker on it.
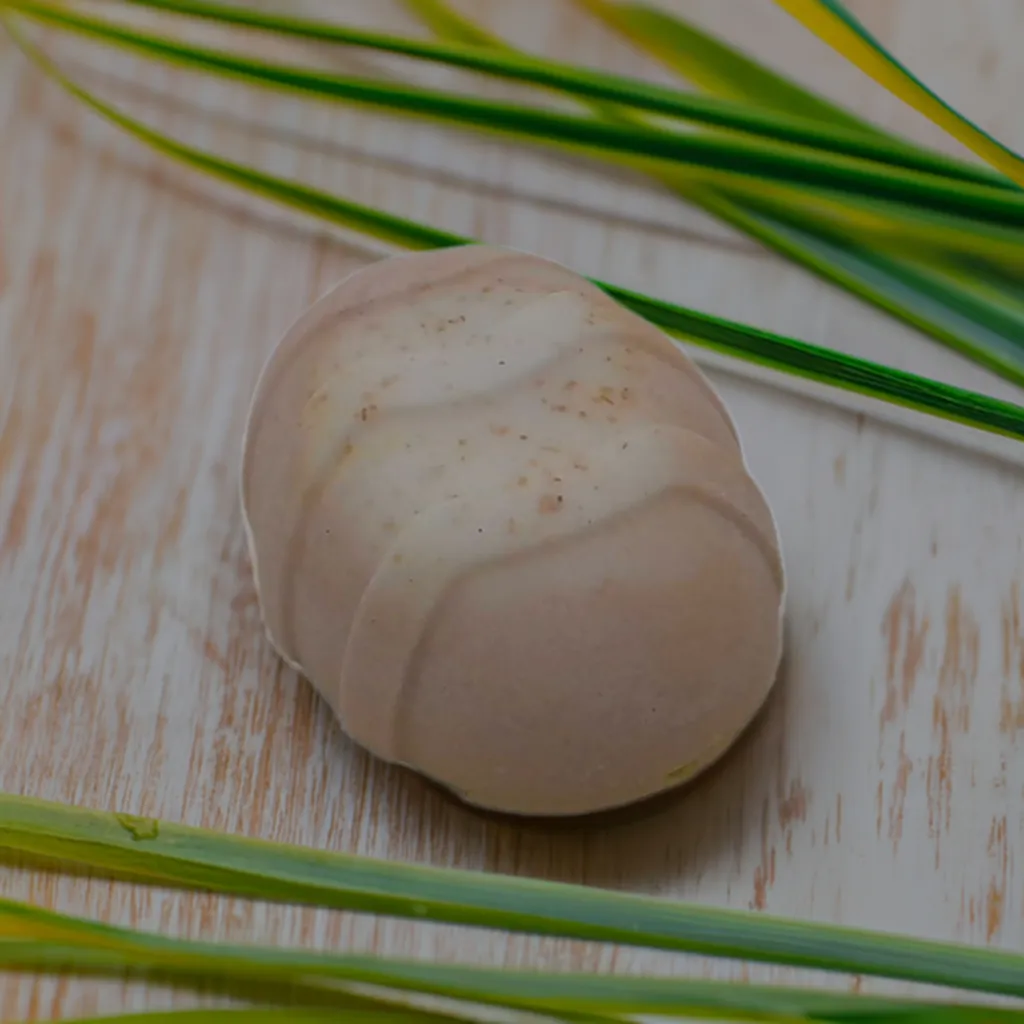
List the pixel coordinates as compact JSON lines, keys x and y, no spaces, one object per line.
{"x":889,"y":226}
{"x":826,"y":366}
{"x":714,"y":66}
{"x":900,"y":227}
{"x":43,"y":941}
{"x":987,"y":284}
{"x":978,"y":322}
{"x":711,"y":155}
{"x":833,"y":23}
{"x":280,"y":1015}
{"x":466,"y":50}
{"x":757,"y":85}
{"x":179,"y":856}
{"x":991,"y":293}
{"x":795,"y":358}
{"x":448,"y":24}
{"x":724,"y":71}
{"x":974,"y":316}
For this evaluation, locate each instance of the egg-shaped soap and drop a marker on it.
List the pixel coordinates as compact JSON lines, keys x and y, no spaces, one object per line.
{"x":505,"y":527}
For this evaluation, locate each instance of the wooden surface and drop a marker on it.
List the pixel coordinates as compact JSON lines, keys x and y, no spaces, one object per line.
{"x":882,"y":786}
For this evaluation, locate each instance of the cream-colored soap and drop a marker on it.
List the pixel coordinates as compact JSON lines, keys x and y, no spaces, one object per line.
{"x":505,"y":528}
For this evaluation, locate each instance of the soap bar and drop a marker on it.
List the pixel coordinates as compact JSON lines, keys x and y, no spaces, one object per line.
{"x":504,"y":526}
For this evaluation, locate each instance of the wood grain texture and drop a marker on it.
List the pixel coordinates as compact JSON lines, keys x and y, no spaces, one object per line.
{"x":883,"y":784}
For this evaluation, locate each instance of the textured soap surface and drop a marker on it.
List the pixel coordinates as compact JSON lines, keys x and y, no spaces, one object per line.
{"x":504,"y":526}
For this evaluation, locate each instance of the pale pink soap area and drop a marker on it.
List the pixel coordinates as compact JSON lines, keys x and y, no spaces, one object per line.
{"x":505,"y":527}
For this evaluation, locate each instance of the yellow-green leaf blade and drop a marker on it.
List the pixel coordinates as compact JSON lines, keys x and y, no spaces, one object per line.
{"x":833,"y":23}
{"x":711,"y":64}
{"x":966,"y":317}
{"x":448,"y":24}
{"x":255,"y":1015}
{"x":177,"y":855}
{"x":55,"y":941}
